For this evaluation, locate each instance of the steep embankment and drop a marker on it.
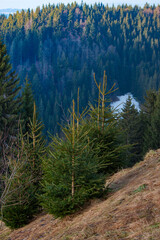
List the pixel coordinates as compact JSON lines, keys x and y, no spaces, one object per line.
{"x":132,"y":211}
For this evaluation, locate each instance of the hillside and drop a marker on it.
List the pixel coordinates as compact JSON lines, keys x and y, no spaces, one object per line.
{"x":131,"y":211}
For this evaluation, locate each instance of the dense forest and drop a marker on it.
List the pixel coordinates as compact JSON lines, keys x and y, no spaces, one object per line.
{"x":58,"y":48}
{"x":64,"y":175}
{"x":61,"y":54}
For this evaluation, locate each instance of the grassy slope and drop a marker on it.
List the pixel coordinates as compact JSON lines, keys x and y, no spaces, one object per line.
{"x":132,"y":211}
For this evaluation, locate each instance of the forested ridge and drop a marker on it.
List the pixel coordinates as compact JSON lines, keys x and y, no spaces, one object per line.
{"x":59,"y":48}
{"x":74,"y":57}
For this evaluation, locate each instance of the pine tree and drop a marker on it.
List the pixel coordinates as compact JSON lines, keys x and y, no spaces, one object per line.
{"x":104,"y":133}
{"x":9,"y":105}
{"x":132,"y":135}
{"x":153,"y":126}
{"x":149,"y":104}
{"x":148,"y":110}
{"x":36,"y":146}
{"x":23,"y":177}
{"x":71,"y":171}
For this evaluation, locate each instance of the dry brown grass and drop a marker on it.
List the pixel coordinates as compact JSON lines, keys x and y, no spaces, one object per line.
{"x":131,"y":212}
{"x":4,"y":231}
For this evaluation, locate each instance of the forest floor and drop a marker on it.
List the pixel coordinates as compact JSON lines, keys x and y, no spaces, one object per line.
{"x":131,"y":211}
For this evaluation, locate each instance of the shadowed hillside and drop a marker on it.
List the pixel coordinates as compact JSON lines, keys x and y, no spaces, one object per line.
{"x":132,"y":211}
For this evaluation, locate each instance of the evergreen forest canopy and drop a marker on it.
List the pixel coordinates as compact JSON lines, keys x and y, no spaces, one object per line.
{"x":59,"y":48}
